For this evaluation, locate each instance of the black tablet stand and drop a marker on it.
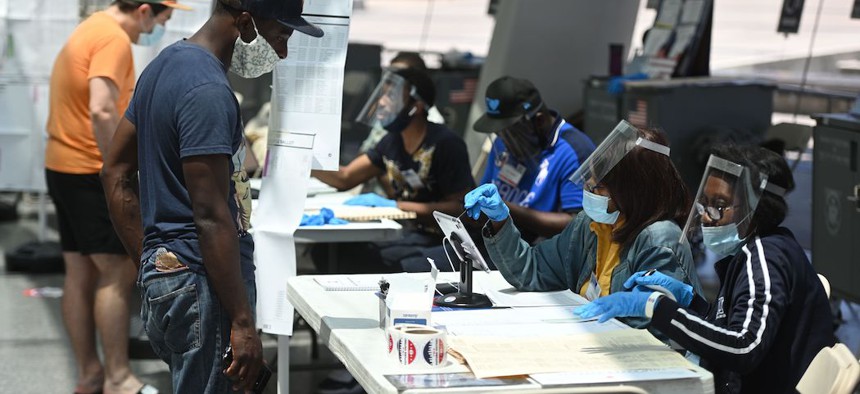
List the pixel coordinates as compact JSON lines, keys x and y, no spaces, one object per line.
{"x":464,"y":298}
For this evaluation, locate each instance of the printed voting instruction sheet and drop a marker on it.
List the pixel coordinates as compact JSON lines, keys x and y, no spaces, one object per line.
{"x":308,"y":85}
{"x":275,"y":219}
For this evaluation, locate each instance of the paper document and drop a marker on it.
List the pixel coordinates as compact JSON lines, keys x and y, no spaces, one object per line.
{"x":571,"y":378}
{"x":334,"y":201}
{"x":452,"y":380}
{"x":275,"y":220}
{"x":348,"y":283}
{"x":611,"y":351}
{"x":308,"y":92}
{"x":521,"y":322}
{"x":683,"y":37}
{"x":656,"y":40}
{"x":692,"y":11}
{"x":668,"y":14}
{"x":513,"y":298}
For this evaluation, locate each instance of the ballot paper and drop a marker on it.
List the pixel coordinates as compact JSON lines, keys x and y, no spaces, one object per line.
{"x":571,"y":378}
{"x":614,"y":351}
{"x":308,"y":85}
{"x":520,"y":322}
{"x":512,"y":298}
{"x":275,"y":220}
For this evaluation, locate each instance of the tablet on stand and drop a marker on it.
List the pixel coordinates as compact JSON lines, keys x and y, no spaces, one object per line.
{"x":469,"y":256}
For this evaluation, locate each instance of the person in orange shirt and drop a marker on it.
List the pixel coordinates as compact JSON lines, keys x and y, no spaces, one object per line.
{"x":91,"y":85}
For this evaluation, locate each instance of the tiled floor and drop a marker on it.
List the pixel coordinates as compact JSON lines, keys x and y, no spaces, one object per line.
{"x":33,"y":344}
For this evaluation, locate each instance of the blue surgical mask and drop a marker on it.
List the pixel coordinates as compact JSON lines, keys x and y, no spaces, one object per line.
{"x":150,"y":39}
{"x":597,"y":208}
{"x":722,"y":240}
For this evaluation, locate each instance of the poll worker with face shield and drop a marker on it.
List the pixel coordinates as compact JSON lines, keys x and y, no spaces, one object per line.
{"x":533,"y":157}
{"x":425,"y":163}
{"x":91,"y":84}
{"x":634,"y":202}
{"x":771,"y":316}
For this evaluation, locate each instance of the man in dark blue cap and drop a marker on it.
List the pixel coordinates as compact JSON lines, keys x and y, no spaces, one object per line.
{"x":182,"y":218}
{"x":533,"y":157}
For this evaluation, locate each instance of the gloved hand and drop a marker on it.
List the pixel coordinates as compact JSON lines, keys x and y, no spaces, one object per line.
{"x":371,"y":200}
{"x":486,"y":198}
{"x":682,"y":292}
{"x":616,"y":84}
{"x":621,"y":304}
{"x":326,"y":216}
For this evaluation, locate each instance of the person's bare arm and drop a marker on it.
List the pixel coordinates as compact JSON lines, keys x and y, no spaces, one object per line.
{"x":207,"y":179}
{"x":357,"y":172}
{"x":545,"y":224}
{"x":119,"y":179}
{"x":103,"y":111}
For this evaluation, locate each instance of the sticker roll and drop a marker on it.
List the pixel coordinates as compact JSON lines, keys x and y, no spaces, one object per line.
{"x":393,"y":335}
{"x":421,"y":347}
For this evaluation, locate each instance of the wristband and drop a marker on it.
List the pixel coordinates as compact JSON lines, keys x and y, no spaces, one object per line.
{"x":651,"y":303}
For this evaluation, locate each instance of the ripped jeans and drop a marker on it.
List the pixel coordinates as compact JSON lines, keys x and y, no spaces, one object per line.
{"x":186,"y":324}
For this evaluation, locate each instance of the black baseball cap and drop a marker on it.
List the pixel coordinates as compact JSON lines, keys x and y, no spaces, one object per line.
{"x":287,"y":12}
{"x":507,"y":100}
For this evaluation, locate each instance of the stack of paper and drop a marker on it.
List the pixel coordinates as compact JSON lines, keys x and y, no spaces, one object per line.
{"x":362,"y":214}
{"x":609,"y":352}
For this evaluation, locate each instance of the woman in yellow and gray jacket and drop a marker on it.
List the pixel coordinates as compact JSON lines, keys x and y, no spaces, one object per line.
{"x":634,"y":203}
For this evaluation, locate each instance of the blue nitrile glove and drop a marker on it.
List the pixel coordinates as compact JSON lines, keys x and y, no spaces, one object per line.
{"x":616,"y":84}
{"x":371,"y":200}
{"x":620,"y":304}
{"x":326,"y":216}
{"x":682,"y":292}
{"x":486,"y":198}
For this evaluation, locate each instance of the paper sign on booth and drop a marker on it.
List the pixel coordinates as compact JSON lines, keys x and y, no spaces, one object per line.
{"x":308,"y":84}
{"x":275,"y":220}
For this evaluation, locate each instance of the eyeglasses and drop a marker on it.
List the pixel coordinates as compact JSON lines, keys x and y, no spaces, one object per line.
{"x":715,"y":213}
{"x":592,"y":187}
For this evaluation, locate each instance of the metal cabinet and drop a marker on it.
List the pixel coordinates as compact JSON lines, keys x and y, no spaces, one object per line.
{"x":836,"y":209}
{"x":695,"y":113}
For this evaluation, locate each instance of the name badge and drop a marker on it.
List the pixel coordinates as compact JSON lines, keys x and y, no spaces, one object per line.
{"x":512,"y":175}
{"x":412,"y":179}
{"x":593,"y":291}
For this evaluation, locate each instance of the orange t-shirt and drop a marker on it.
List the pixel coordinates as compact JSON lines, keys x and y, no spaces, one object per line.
{"x":98,"y":47}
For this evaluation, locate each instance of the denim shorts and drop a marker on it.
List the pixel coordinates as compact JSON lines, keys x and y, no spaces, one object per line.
{"x":186,"y":325}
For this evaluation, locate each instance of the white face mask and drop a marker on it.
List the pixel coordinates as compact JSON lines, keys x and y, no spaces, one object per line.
{"x":250,"y":60}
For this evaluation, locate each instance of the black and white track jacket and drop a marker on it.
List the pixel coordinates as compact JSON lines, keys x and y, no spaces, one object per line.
{"x":770,"y":319}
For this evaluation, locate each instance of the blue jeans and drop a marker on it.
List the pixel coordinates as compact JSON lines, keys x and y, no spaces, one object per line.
{"x":187,"y":326}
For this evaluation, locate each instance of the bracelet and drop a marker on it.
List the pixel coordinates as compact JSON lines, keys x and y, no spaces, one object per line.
{"x":651,"y":303}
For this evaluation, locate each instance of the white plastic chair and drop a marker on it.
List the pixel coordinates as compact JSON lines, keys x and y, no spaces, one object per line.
{"x":826,"y":284}
{"x":833,"y":370}
{"x":851,"y":373}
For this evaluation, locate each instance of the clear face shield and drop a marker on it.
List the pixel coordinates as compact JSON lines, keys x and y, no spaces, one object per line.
{"x":724,"y":206}
{"x":614,"y":147}
{"x":388,"y":100}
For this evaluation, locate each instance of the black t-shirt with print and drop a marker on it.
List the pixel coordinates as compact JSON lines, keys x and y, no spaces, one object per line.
{"x":440,"y":166}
